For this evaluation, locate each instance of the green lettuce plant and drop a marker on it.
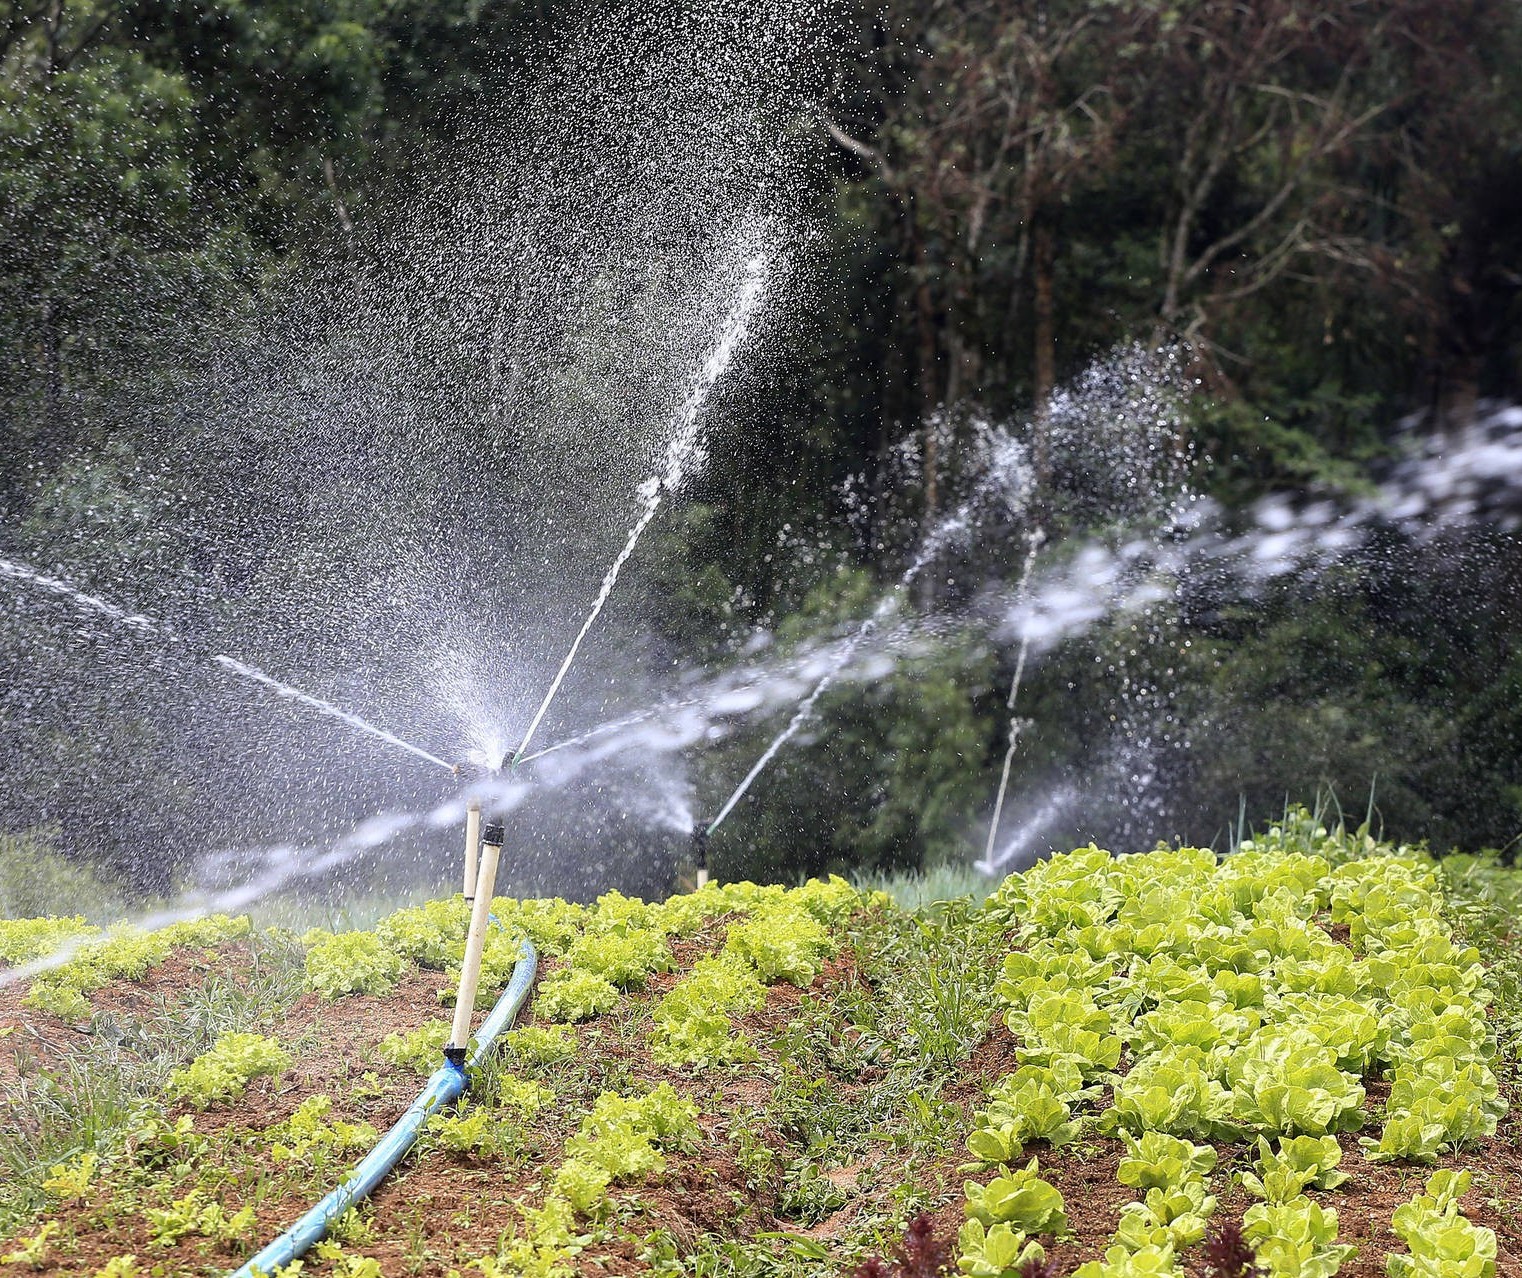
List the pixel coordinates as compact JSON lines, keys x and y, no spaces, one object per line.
{"x":692,"y":1024}
{"x":1440,"y":1242}
{"x":996,"y":1251}
{"x":1174,"y":1090}
{"x":1120,"y":1262}
{"x":351,"y":963}
{"x":570,"y":995}
{"x":311,"y":1132}
{"x":623,"y":957}
{"x":783,"y":942}
{"x":1284,"y":1080}
{"x":1295,"y":1239}
{"x":1175,"y":1217}
{"x":1299,"y":1163}
{"x":221,"y":1073}
{"x":540,"y":1044}
{"x":421,"y":1049}
{"x":1020,"y":1199}
{"x":1159,"y":1161}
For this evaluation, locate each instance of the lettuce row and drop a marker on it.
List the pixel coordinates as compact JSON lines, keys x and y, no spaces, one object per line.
{"x":1242,"y":1015}
{"x":1295,"y":1239}
{"x":692,"y":1022}
{"x":23,"y":940}
{"x":125,"y":953}
{"x":1440,"y":1242}
{"x":997,"y":1239}
{"x":621,"y":1138}
{"x":1175,"y":1208}
{"x":340,"y":963}
{"x":785,"y":936}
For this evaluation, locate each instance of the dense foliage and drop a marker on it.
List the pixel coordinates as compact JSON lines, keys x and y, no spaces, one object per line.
{"x":1325,"y":203}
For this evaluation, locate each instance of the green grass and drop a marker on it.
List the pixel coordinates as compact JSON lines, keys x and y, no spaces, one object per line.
{"x":36,"y":880}
{"x":1485,"y":907}
{"x":90,"y":1098}
{"x":917,"y":890}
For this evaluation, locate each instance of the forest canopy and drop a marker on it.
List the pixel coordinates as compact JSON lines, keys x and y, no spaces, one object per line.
{"x":1317,"y":208}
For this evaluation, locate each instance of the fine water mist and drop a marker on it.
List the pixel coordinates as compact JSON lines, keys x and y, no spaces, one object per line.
{"x":400,"y":482}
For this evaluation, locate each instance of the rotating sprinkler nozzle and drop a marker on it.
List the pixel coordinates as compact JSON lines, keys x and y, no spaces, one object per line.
{"x":700,"y":834}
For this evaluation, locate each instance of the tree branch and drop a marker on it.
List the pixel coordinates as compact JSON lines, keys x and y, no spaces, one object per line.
{"x":858,"y":148}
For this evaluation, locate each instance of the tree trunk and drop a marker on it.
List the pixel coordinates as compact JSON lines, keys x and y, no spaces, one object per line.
{"x":1044,"y":376}
{"x":52,"y":382}
{"x":924,"y":310}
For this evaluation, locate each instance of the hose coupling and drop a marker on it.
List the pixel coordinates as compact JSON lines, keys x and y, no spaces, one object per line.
{"x":492,"y":834}
{"x":454,"y":1057}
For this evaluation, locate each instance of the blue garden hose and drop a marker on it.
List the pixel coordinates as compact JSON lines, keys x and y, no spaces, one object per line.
{"x":445,"y":1085}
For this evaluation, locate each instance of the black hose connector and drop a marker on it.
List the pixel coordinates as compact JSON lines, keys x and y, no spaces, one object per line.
{"x":454,"y":1057}
{"x":492,"y":834}
{"x":700,"y":846}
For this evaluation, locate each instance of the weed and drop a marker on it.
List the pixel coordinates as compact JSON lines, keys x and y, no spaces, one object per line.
{"x":32,"y":1252}
{"x":921,"y":1253}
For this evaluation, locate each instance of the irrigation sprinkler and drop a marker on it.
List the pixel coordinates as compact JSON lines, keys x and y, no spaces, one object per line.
{"x":700,"y":834}
{"x":471,"y":772}
{"x":475,"y":943}
{"x":472,"y":848}
{"x":1034,"y":541}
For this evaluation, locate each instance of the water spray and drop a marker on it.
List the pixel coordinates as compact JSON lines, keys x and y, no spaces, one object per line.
{"x":1008,"y":470}
{"x":804,"y":713}
{"x":987,"y":864}
{"x":145,"y":625}
{"x":680,"y":451}
{"x":290,"y":693}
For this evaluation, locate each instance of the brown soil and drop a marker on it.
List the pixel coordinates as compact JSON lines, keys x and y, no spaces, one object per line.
{"x":31,"y":1040}
{"x":333,"y":1046}
{"x":440,"y":1211}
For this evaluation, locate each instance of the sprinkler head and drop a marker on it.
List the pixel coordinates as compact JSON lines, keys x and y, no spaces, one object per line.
{"x":470,"y":773}
{"x":700,"y":846}
{"x":492,"y":834}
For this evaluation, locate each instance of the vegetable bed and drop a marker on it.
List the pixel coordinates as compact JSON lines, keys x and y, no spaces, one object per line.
{"x":1147,"y":1065}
